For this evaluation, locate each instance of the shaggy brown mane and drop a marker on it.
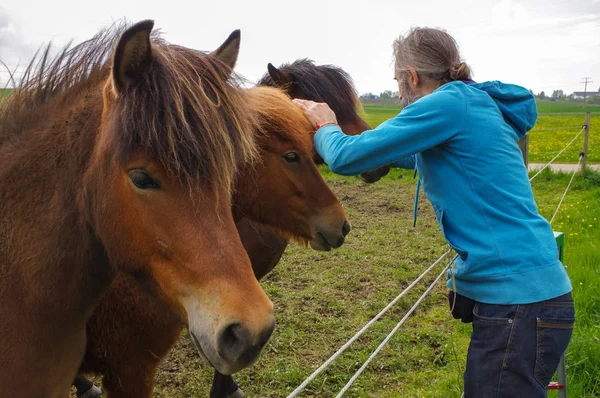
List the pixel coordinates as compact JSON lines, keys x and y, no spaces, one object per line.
{"x":186,"y":108}
{"x":70,"y":71}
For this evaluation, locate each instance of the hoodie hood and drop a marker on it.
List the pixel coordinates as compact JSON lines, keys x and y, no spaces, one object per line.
{"x":516,"y":103}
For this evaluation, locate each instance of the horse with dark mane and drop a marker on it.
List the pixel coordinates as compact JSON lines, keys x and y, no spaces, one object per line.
{"x":324,"y":83}
{"x":320,"y":83}
{"x":122,"y":165}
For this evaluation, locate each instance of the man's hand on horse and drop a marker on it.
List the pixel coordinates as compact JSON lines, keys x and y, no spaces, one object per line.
{"x":319,"y":114}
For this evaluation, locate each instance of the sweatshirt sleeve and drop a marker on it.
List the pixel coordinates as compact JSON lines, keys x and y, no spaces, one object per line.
{"x":405,"y":163}
{"x":430,"y":121}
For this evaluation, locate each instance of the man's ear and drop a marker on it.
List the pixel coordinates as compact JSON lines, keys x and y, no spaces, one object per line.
{"x":413,"y":77}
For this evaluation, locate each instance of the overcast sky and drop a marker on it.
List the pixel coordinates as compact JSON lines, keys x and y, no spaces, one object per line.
{"x":540,"y":44}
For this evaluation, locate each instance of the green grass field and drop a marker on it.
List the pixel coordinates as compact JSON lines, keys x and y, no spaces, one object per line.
{"x":322,"y":299}
{"x":557,"y":124}
{"x":564,"y":107}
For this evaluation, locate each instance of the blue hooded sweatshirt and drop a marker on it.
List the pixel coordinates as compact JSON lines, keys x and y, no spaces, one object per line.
{"x":463,"y":141}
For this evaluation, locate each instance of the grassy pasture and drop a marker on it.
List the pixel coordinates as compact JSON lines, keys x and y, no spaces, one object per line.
{"x":565,"y":107}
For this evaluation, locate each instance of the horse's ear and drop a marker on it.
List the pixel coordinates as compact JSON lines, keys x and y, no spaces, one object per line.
{"x":280,"y":78}
{"x":229,"y":50}
{"x":132,"y":56}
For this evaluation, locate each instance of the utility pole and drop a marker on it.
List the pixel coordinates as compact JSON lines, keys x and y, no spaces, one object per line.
{"x":585,"y":80}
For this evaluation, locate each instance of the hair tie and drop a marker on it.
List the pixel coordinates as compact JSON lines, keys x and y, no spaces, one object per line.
{"x":453,"y":71}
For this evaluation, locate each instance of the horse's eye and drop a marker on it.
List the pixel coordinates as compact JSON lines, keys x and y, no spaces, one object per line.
{"x":143,"y":180}
{"x":292,"y":157}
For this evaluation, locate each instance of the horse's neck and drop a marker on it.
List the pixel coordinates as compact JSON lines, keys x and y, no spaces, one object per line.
{"x":42,"y":232}
{"x":355,"y":126}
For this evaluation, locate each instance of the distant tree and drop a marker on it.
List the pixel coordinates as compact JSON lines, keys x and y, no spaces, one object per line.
{"x":531,"y":91}
{"x":369,"y":95}
{"x":558,"y":94}
{"x":387,"y":94}
{"x":542,"y":95}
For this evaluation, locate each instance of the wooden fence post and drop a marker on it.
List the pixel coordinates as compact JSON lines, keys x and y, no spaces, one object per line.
{"x":524,"y":147}
{"x":585,"y":142}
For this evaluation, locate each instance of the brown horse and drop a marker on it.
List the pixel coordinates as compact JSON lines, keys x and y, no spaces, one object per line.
{"x":321,"y":83}
{"x":121,"y":165}
{"x":324,"y":83}
{"x":133,"y":328}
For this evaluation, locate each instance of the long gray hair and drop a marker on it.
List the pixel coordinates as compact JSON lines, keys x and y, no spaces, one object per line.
{"x":432,"y":53}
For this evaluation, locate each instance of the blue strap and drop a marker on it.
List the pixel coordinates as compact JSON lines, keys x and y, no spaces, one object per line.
{"x":416,"y":206}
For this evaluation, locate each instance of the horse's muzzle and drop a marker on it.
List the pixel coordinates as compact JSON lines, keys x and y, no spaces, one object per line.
{"x":327,"y":239}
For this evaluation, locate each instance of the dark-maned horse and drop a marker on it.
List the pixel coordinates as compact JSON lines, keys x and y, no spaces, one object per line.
{"x":122,"y":164}
{"x":132,"y":329}
{"x":324,"y":83}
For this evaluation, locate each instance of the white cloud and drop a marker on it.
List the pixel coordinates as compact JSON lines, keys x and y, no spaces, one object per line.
{"x":13,"y":49}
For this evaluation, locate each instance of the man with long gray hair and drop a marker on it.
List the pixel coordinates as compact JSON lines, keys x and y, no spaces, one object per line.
{"x":461,"y":137}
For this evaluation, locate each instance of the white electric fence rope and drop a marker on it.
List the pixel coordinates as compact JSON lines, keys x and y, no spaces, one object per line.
{"x":554,"y":158}
{"x":566,"y":190}
{"x":389,"y":336}
{"x":321,"y":368}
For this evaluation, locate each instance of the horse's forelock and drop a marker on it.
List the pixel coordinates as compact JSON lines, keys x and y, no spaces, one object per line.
{"x":191,"y":115}
{"x":277,"y":115}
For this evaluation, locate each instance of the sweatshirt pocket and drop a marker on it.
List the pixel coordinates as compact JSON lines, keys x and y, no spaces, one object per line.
{"x":439,"y":215}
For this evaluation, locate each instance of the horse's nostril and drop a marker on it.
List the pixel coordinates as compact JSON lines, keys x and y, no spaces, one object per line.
{"x":233,"y":341}
{"x":346,"y":228}
{"x":236,"y":344}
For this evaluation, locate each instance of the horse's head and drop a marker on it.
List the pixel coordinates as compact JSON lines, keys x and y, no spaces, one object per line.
{"x":323,"y":83}
{"x":285,"y":189}
{"x":172,"y":135}
{"x":320,"y":83}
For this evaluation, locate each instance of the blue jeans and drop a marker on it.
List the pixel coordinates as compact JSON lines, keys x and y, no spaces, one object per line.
{"x":515,"y":349}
